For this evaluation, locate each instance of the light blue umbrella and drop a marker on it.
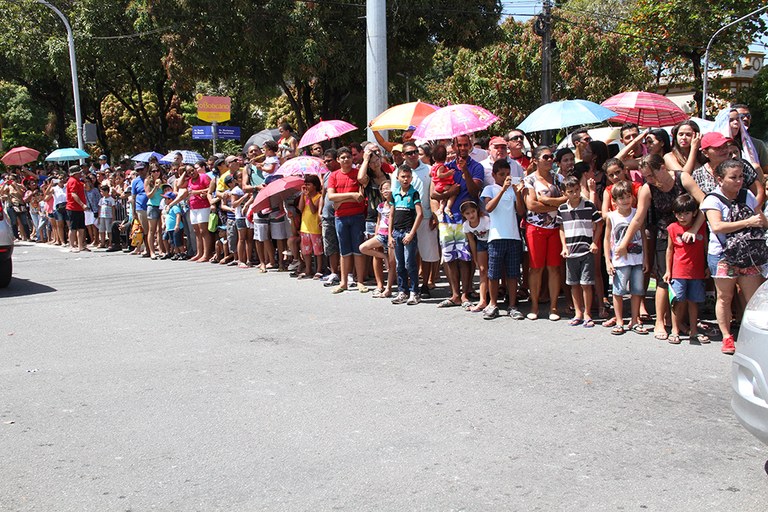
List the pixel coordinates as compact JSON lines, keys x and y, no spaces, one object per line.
{"x":561,"y":114}
{"x":67,"y":154}
{"x":144,"y":157}
{"x":188,"y":157}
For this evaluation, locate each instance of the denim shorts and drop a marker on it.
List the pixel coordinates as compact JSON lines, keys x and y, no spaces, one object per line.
{"x":628,"y":279}
{"x":350,"y":231}
{"x":240,"y":223}
{"x":688,"y":289}
{"x":482,"y":245}
{"x":384,"y":241}
{"x":153,"y":212}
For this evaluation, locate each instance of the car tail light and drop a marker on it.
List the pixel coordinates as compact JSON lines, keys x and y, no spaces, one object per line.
{"x":756,"y":312}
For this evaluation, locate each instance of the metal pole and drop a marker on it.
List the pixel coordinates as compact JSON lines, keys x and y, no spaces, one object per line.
{"x":546,"y":63}
{"x":73,"y":68}
{"x":215,"y":132}
{"x":705,"y":78}
{"x":376,"y":59}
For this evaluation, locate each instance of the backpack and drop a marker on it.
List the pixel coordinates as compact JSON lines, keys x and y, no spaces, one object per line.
{"x":746,"y":247}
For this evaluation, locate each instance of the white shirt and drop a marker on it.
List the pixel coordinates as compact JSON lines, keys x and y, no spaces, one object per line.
{"x":504,"y":224}
{"x":515,"y":170}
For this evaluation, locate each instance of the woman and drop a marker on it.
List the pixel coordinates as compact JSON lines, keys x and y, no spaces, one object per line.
{"x":686,"y":140}
{"x":542,"y":197}
{"x":657,"y":197}
{"x":59,"y":195}
{"x":287,"y":142}
{"x":425,"y":154}
{"x":715,"y":148}
{"x":92,"y":197}
{"x":198,"y":187}
{"x":730,"y":176}
{"x":153,"y":185}
{"x":565,"y":160}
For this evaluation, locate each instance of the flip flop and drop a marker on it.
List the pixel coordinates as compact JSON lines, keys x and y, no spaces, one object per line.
{"x":660,"y":335}
{"x":673,"y":339}
{"x":576,"y":322}
{"x":610,"y":322}
{"x":617,"y":330}
{"x":448,"y":303}
{"x":702,"y":338}
{"x":588,"y":323}
{"x":639,"y":329}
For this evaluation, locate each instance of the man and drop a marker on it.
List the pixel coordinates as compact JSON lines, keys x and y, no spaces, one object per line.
{"x":468,"y":178}
{"x":477,"y":153}
{"x":76,"y":208}
{"x":397,"y":155}
{"x":390,"y":146}
{"x":746,"y":119}
{"x":103,"y":165}
{"x":497,"y":150}
{"x":426,"y":236}
{"x":357,"y":154}
{"x":316,"y":150}
{"x":230,"y":168}
{"x":516,"y":148}
{"x":139,"y":201}
{"x":328,"y":223}
{"x":581,"y":140}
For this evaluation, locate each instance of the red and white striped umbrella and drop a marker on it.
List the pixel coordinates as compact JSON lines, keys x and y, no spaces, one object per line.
{"x":645,"y":109}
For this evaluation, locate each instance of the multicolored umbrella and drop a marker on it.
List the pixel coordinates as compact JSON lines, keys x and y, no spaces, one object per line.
{"x":326,"y":130}
{"x":188,"y":157}
{"x":454,"y":120}
{"x":66,"y":155}
{"x":400,"y":117}
{"x":20,"y":155}
{"x":274,"y":193}
{"x":144,"y":157}
{"x":561,"y":114}
{"x":301,"y":166}
{"x":645,"y":109}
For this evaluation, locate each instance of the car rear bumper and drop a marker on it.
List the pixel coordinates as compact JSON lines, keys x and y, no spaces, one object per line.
{"x":750,"y":390}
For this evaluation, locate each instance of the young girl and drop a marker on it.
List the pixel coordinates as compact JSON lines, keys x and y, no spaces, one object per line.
{"x":442,"y":177}
{"x":310,"y":230}
{"x":378,"y":246}
{"x":476,"y":227}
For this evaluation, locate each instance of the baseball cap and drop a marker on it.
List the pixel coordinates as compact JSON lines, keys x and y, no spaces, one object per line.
{"x":397,"y":147}
{"x":230,"y":159}
{"x":714,"y":140}
{"x":218,"y":162}
{"x":139,"y":167}
{"x":169,"y":195}
{"x":103,"y":157}
{"x":229,"y":179}
{"x":497,"y":141}
{"x":74,"y":169}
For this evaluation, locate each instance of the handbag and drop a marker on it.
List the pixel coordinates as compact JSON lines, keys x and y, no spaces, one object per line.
{"x":213,"y":222}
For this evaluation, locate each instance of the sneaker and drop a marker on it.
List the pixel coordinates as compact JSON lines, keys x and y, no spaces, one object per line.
{"x":413,"y":299}
{"x":515,"y":314}
{"x":728,"y":345}
{"x":400,"y":298}
{"x":490,"y":313}
{"x":293,"y":266}
{"x":332,"y":280}
{"x":330,"y":277}
{"x":424,"y":291}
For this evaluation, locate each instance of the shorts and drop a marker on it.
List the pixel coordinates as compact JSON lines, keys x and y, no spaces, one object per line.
{"x":482,"y":245}
{"x":384,"y":241}
{"x":142,"y":216}
{"x":720,"y":269}
{"x":174,"y":237}
{"x":261,"y":229}
{"x":426,"y":238}
{"x":241,"y":223}
{"x":349,"y":230}
{"x":628,"y":279}
{"x":311,"y":243}
{"x":153,"y":212}
{"x":580,"y":270}
{"x":330,"y":240}
{"x":60,"y":214}
{"x":231,"y":235}
{"x":544,"y":246}
{"x":688,"y":289}
{"x":199,"y":215}
{"x":660,"y":262}
{"x":280,"y":228}
{"x":370,"y":229}
{"x":104,"y":224}
{"x":504,"y":257}
{"x":453,"y":242}
{"x":76,"y":219}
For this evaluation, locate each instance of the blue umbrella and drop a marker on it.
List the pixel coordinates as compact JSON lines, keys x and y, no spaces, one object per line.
{"x":188,"y":157}
{"x":144,"y":157}
{"x":561,"y":114}
{"x":67,"y":154}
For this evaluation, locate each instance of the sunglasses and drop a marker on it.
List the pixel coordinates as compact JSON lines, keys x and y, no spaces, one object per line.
{"x":548,"y":156}
{"x":745,"y":116}
{"x":517,"y":138}
{"x":585,"y":139}
{"x":411,"y":153}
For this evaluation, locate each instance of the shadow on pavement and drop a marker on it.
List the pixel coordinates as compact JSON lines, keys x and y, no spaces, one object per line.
{"x":22,"y":287}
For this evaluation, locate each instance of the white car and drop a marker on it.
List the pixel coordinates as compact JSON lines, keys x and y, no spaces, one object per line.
{"x":6,"y":249}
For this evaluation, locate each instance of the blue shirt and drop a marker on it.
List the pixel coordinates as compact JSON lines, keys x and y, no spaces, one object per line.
{"x":405,"y":209}
{"x":170,"y":220}
{"x":478,"y":174}
{"x":138,"y":193}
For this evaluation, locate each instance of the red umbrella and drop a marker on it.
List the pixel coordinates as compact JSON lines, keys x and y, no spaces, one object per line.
{"x":20,"y":156}
{"x":645,"y":109}
{"x":274,"y":193}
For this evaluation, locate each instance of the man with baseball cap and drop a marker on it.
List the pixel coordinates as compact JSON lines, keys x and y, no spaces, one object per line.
{"x":103,"y":164}
{"x":498,"y":150}
{"x":76,"y":208}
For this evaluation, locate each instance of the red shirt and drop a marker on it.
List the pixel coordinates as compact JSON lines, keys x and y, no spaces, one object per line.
{"x":74,"y":186}
{"x":343,"y":184}
{"x":689,"y":261}
{"x":523,"y":160}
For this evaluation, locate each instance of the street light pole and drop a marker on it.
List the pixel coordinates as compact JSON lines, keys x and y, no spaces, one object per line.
{"x":705,"y":78}
{"x":73,"y":68}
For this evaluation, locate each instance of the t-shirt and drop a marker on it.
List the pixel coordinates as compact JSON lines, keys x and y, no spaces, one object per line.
{"x":75,"y":186}
{"x":635,"y":188}
{"x":310,"y":222}
{"x":579,"y":226}
{"x":383,"y":210}
{"x":138,"y":193}
{"x":689,"y":261}
{"x":170,"y":219}
{"x":477,"y":173}
{"x":481,"y":230}
{"x":197,"y":202}
{"x":236,"y":193}
{"x":344,"y":184}
{"x":515,"y":170}
{"x":543,"y":220}
{"x":328,"y":208}
{"x":422,"y":182}
{"x":711,"y":202}
{"x":619,"y":226}
{"x":405,"y":209}
{"x":503,"y":219}
{"x":105,"y":207}
{"x":59,"y":195}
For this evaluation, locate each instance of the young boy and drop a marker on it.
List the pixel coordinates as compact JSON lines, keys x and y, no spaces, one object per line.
{"x":627,"y":271}
{"x":173,"y":227}
{"x":686,"y":269}
{"x":106,"y":215}
{"x":579,"y":227}
{"x":505,"y":247}
{"x":404,"y":220}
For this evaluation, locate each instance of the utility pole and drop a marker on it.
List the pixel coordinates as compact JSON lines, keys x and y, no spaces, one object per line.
{"x":543,"y":28}
{"x":376,"y":59}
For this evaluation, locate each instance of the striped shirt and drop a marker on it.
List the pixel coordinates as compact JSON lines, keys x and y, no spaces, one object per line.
{"x":578,"y":224}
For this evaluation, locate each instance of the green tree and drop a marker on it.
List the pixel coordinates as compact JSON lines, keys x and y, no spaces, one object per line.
{"x":24,"y":121}
{"x":756,"y":96}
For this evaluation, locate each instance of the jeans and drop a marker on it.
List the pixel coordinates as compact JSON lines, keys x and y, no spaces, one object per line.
{"x":405,"y":255}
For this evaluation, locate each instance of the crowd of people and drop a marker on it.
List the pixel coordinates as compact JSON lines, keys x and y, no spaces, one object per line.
{"x":592,"y":222}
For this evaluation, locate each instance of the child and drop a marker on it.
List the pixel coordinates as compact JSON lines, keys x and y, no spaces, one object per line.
{"x":442,"y":176}
{"x":578,"y":219}
{"x":404,"y":220}
{"x":310,"y":231}
{"x":173,"y":228}
{"x":505,"y":247}
{"x":476,"y":227}
{"x":627,"y":271}
{"x":615,"y":171}
{"x":686,"y":269}
{"x":378,"y":246}
{"x":106,"y":216}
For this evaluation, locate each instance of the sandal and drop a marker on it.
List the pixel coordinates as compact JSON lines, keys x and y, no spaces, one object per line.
{"x":466,"y":304}
{"x":702,"y":338}
{"x":617,"y":330}
{"x":576,"y":322}
{"x":639,"y":329}
{"x":477,"y":309}
{"x":610,"y":322}
{"x":377,"y":293}
{"x":674,"y":339}
{"x":339,"y":289}
{"x":448,"y":303}
{"x":588,"y":323}
{"x":660,"y":335}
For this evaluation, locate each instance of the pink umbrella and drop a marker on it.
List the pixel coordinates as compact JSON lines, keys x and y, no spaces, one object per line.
{"x":454,"y":120}
{"x":326,"y":130}
{"x":645,"y":109}
{"x":275,"y":192}
{"x":301,"y":166}
{"x":20,"y":156}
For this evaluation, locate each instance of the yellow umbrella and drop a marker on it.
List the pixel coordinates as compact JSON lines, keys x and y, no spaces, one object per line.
{"x":400,"y":117}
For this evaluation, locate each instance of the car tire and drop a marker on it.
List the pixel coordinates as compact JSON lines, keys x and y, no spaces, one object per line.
{"x":6,"y":269}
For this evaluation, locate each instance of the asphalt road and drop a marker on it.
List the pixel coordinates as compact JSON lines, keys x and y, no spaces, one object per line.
{"x":131,"y":384}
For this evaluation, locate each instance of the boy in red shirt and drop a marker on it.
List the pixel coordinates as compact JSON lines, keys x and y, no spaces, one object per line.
{"x":686,"y":269}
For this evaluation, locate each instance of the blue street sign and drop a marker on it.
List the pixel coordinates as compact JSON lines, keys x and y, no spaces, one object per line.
{"x":222,"y":132}
{"x":228,"y":132}
{"x":202,"y":132}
